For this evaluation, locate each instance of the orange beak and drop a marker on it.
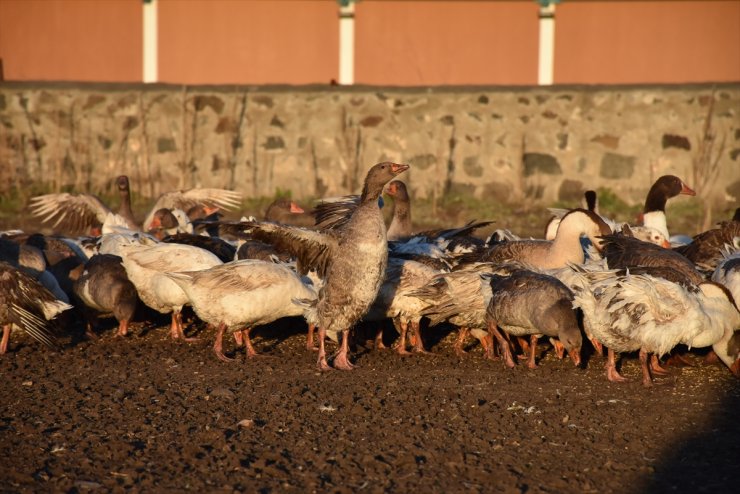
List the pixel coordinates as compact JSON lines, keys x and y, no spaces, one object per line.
{"x":396,"y":168}
{"x":295,"y":208}
{"x":685,"y":189}
{"x":575,"y":355}
{"x":666,"y":244}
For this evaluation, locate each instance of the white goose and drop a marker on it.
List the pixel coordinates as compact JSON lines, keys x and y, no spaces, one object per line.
{"x":146,"y":267}
{"x":627,"y":311}
{"x":238,"y":295}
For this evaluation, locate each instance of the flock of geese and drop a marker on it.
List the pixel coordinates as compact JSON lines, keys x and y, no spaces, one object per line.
{"x":619,"y":286}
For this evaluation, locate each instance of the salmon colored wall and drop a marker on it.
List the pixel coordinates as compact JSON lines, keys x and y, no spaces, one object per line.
{"x":254,"y":42}
{"x":647,"y":42}
{"x":71,"y":40}
{"x":431,"y":42}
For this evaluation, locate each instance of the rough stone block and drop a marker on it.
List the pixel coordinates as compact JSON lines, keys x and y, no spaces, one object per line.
{"x":541,"y":163}
{"x":617,"y":166}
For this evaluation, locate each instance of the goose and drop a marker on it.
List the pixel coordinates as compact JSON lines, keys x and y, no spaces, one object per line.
{"x":461,"y":297}
{"x":727,"y":271}
{"x":633,"y":310}
{"x":543,"y":254}
{"x":535,"y":304}
{"x":626,"y":252}
{"x":287,"y":212}
{"x":146,"y":267}
{"x":653,"y":212}
{"x":401,"y":218}
{"x":396,"y":300}
{"x":166,"y":222}
{"x":646,"y":233}
{"x":590,"y":202}
{"x":104,"y":288}
{"x":32,"y":261}
{"x":238,"y":295}
{"x":350,"y":258}
{"x":706,"y":248}
{"x":221,"y":248}
{"x":27,"y":304}
{"x":82,"y":211}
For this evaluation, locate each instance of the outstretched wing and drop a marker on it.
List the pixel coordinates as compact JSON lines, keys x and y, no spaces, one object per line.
{"x":312,"y":248}
{"x":70,"y":212}
{"x":185,"y":200}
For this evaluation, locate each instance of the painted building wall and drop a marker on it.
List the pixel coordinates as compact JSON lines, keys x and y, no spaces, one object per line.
{"x":71,"y":40}
{"x":223,"y":42}
{"x":647,"y":42}
{"x":413,"y":43}
{"x":398,"y":42}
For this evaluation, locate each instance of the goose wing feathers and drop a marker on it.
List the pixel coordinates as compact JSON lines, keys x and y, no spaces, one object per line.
{"x":72,"y":212}
{"x":185,"y":200}
{"x":313,"y":249}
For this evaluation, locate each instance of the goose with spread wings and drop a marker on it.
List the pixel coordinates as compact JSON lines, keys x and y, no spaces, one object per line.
{"x":351,"y":259}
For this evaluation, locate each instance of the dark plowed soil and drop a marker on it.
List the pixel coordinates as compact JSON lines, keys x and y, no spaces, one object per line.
{"x":147,"y":413}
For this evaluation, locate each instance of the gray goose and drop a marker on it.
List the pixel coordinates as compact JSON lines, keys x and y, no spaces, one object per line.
{"x":24,"y":302}
{"x":104,"y":288}
{"x":535,"y":304}
{"x":351,"y":259}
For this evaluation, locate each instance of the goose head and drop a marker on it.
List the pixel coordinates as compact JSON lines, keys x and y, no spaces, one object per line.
{"x":584,"y":222}
{"x":377,"y":177}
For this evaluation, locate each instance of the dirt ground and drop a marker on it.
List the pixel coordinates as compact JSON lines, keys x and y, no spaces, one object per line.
{"x":144,"y":413}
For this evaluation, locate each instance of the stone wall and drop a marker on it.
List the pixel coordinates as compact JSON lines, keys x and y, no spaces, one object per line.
{"x":514,"y":144}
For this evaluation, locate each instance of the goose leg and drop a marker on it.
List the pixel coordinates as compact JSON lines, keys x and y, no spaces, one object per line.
{"x":597,"y":346}
{"x":251,"y":352}
{"x":532,"y":351}
{"x":309,"y":337}
{"x":460,"y":342}
{"x":502,"y":342}
{"x":416,"y":336}
{"x":489,"y":346}
{"x":655,"y":366}
{"x":611,"y":368}
{"x":177,"y":315}
{"x":559,"y":347}
{"x":401,"y":345}
{"x":322,"y":364}
{"x":379,"y":345}
{"x":174,"y":330}
{"x":122,"y":327}
{"x":218,"y":344}
{"x":647,"y":379}
{"x":238,"y":338}
{"x":341,"y":358}
{"x":6,"y":339}
{"x":523,"y":345}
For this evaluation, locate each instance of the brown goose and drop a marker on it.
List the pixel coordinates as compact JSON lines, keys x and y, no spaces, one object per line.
{"x":77,"y":212}
{"x":627,"y":252}
{"x":564,"y":249}
{"x":529,"y":303}
{"x":653,"y":213}
{"x":104,"y":288}
{"x":401,"y":219}
{"x":706,"y":248}
{"x":287,"y":212}
{"x":351,"y":259}
{"x":24,"y":302}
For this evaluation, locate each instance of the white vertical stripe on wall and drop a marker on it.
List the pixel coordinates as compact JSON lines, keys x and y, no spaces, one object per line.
{"x":547,"y":45}
{"x":347,"y":44}
{"x":150,"y":41}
